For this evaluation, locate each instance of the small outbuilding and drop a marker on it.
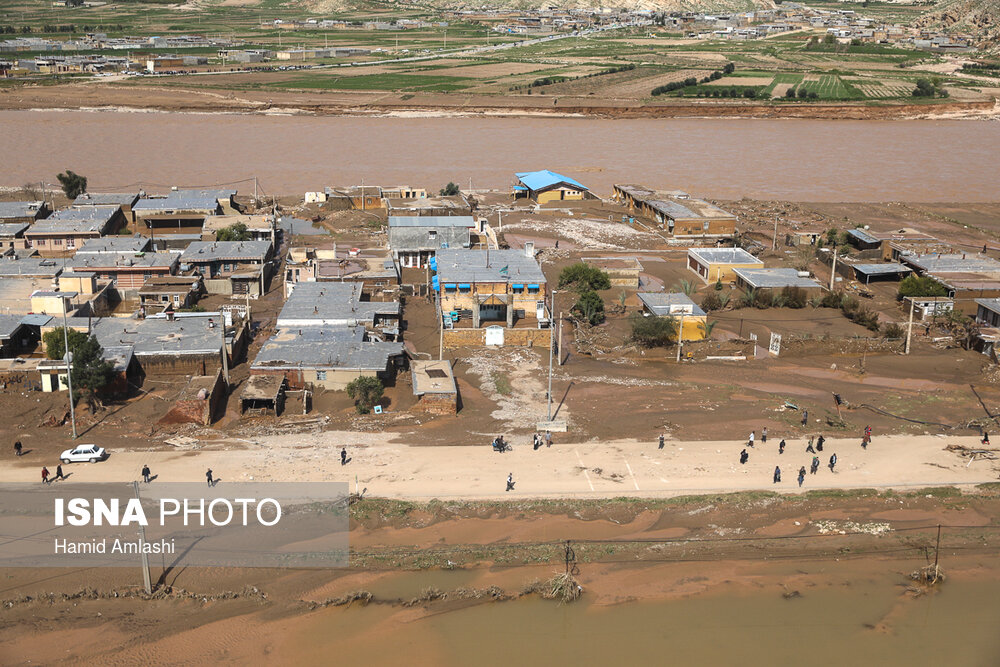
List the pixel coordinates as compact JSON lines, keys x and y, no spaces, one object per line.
{"x":263,"y":394}
{"x":712,"y":264}
{"x":434,"y":386}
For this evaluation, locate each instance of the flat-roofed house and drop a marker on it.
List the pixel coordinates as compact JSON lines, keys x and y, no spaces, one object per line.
{"x":12,"y":235}
{"x":65,"y":231}
{"x":547,"y":186}
{"x":259,"y":227}
{"x":966,"y":276}
{"x":714,"y":264}
{"x":124,"y":200}
{"x":492,"y":286}
{"x":775,"y":279}
{"x":415,"y":239}
{"x":23,"y":211}
{"x":230,"y":267}
{"x":126,"y":271}
{"x":679,"y":214}
{"x":332,"y":304}
{"x":128,"y":244}
{"x":689,"y":315}
{"x":182,"y":211}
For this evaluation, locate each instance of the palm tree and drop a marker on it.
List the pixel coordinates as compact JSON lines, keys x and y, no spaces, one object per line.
{"x":685,"y":286}
{"x":707,"y":327}
{"x":749,"y":297}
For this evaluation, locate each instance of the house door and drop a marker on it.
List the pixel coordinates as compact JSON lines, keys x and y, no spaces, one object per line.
{"x":494,"y":335}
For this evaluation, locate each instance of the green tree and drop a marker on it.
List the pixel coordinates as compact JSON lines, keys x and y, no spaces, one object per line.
{"x":712,"y":301}
{"x":55,"y":347}
{"x":707,"y":328}
{"x":589,"y":307}
{"x":366,"y":392}
{"x":73,"y":184}
{"x":652,"y":331}
{"x":91,"y":371}
{"x":790,"y":92}
{"x":729,"y":68}
{"x":920,"y":286}
{"x":584,"y":278}
{"x":450,"y":189}
{"x":234,"y":232}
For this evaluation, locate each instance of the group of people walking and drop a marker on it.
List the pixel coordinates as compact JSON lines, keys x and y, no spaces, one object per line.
{"x":814,"y":446}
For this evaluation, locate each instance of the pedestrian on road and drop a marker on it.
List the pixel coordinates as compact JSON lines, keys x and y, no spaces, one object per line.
{"x":343,"y":456}
{"x":548,"y":438}
{"x":864,"y":444}
{"x":17,"y":448}
{"x":810,"y":449}
{"x":802,"y":475}
{"x":510,"y":481}
{"x":986,"y":440}
{"x":833,"y":461}
{"x":45,"y":475}
{"x":819,"y":443}
{"x":744,"y":456}
{"x":777,"y":474}
{"x":59,"y":474}
{"x":781,"y":446}
{"x":763,"y":435}
{"x":145,"y":473}
{"x":753,"y":435}
{"x":208,"y":476}
{"x":661,"y":442}
{"x":815,"y":466}
{"x":805,"y":417}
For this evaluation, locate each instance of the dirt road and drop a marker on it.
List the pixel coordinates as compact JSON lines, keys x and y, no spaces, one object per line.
{"x":579,"y":470}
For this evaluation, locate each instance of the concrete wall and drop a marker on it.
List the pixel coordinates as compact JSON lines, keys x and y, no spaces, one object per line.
{"x":455,"y":338}
{"x":307,"y":378}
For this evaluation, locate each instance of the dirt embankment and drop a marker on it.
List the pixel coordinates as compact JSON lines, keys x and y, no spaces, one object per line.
{"x":150,"y":98}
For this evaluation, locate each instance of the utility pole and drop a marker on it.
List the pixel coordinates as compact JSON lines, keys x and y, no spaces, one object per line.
{"x":437,"y":297}
{"x":255,"y":191}
{"x":909,"y":327}
{"x":225,"y":354}
{"x":147,"y":583}
{"x":774,"y":239}
{"x":833,"y":269}
{"x":680,"y":338}
{"x":560,"y":338}
{"x":552,"y":303}
{"x":68,"y":358}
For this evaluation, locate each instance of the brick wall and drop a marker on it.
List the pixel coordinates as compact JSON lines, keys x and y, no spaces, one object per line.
{"x":438,"y":404}
{"x":511,"y":338}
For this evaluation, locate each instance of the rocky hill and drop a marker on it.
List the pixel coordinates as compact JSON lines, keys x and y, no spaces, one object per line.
{"x":980,"y":18}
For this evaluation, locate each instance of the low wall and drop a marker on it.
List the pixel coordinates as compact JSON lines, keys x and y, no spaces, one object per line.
{"x":454,"y":338}
{"x":437,"y":404}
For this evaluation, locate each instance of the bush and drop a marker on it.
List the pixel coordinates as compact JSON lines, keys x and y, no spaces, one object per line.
{"x":711,"y":302}
{"x":802,"y":93}
{"x":729,"y":68}
{"x":813,"y":95}
{"x":832,"y":300}
{"x":763,"y":299}
{"x":234,"y":232}
{"x":790,"y":92}
{"x":584,"y":277}
{"x":55,"y":347}
{"x":794,"y":297}
{"x":920,"y":286}
{"x":589,"y":307}
{"x":893,"y":331}
{"x":449,"y":190}
{"x":750,"y":93}
{"x":652,"y":331}
{"x":366,"y":392}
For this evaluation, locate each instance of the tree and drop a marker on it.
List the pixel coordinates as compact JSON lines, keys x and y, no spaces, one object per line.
{"x":73,"y":184}
{"x":55,"y":347}
{"x":685,"y":286}
{"x":920,"y":286}
{"x":802,"y":93}
{"x":91,"y":371}
{"x":234,"y":232}
{"x":366,"y":392}
{"x":450,"y":189}
{"x":729,"y":68}
{"x":584,"y":278}
{"x":652,"y":331}
{"x":790,"y":92}
{"x":712,"y":301}
{"x":707,"y":328}
{"x":589,"y":307}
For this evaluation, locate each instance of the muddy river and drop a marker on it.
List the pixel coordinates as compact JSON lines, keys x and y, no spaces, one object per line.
{"x":803,"y":160}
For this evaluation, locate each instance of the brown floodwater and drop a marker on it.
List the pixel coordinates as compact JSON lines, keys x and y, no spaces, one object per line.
{"x":869,"y":622}
{"x":800,"y":160}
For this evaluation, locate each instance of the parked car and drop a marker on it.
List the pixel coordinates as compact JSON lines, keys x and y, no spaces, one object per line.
{"x":81,"y":453}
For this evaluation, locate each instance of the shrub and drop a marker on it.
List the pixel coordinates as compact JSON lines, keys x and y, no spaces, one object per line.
{"x":711,"y":302}
{"x":893,"y":331}
{"x":449,"y":190}
{"x":920,"y":286}
{"x":790,"y":92}
{"x":832,"y":300}
{"x":729,"y":68}
{"x":802,"y":93}
{"x":794,"y":297}
{"x":366,"y":392}
{"x":762,"y":299}
{"x":652,"y":331}
{"x":750,"y":93}
{"x":584,"y":277}
{"x":589,"y":307}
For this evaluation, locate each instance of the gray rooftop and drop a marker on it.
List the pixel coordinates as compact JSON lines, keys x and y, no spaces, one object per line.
{"x":968,"y":263}
{"x":432,"y":377}
{"x":325,"y":348}
{"x":115,"y":244}
{"x":990,"y":304}
{"x":471,"y":266}
{"x":885,"y":269}
{"x":675,"y":205}
{"x":662,"y":303}
{"x":724,"y":256}
{"x":126,"y":260}
{"x":29,"y":267}
{"x":19,"y":209}
{"x":184,"y":200}
{"x":428,"y":238}
{"x":152,"y":336}
{"x":94,"y":213}
{"x":775,"y":278}
{"x":432,"y":221}
{"x":863,"y":235}
{"x":12,"y":229}
{"x":331,"y":304}
{"x":9,"y":324}
{"x":106,"y":199}
{"x":213,"y":251}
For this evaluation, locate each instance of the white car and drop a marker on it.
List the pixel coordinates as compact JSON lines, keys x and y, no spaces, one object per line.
{"x":81,"y":453}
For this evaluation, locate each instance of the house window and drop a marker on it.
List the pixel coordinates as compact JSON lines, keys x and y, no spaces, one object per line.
{"x":432,"y":234}
{"x":70,"y":243}
{"x":320,"y":375}
{"x":56,"y":241}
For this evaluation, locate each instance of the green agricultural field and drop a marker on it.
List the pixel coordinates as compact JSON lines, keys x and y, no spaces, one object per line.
{"x":393,"y":82}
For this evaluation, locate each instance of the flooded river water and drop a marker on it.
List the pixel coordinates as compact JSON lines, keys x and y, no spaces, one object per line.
{"x":802,"y":160}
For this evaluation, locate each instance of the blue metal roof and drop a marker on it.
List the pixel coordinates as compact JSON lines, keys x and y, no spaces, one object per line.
{"x":539,"y":180}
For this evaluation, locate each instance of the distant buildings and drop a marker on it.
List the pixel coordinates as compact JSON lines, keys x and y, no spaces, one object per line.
{"x":680,"y":215}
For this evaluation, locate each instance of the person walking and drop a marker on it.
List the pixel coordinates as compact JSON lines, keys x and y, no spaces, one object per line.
{"x":661,"y":441}
{"x":17,"y":448}
{"x":986,"y":440}
{"x":208,"y":476}
{"x":744,"y":456}
{"x":59,"y":474}
{"x":868,"y":434}
{"x":819,"y":443}
{"x":45,"y":475}
{"x":802,"y":475}
{"x":753,"y":435}
{"x":510,"y":481}
{"x":833,"y":461}
{"x":777,"y":474}
{"x":145,"y":473}
{"x":814,"y":468}
{"x":343,"y":456}
{"x":548,"y":438}
{"x":809,"y":448}
{"x":781,"y":446}
{"x":805,"y":417}
{"x":763,"y":436}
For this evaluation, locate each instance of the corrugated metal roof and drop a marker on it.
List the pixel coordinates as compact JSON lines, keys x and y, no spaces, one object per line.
{"x":431,"y":221}
{"x":470,"y":266}
{"x":775,"y":278}
{"x":539,"y":180}
{"x":677,"y":303}
{"x":724,"y":256}
{"x":881,"y":269}
{"x":213,"y":251}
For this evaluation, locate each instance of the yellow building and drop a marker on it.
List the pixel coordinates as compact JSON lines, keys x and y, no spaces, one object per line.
{"x":691,"y":318}
{"x":547,"y":186}
{"x":712,"y":264}
{"x":491,"y":285}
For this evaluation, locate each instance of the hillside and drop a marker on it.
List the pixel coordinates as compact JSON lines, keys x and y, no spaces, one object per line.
{"x":980,"y":18}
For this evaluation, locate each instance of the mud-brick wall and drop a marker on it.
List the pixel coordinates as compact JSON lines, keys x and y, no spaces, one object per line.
{"x":186,"y":364}
{"x":191,"y":409}
{"x":511,"y":338}
{"x":438,"y":404}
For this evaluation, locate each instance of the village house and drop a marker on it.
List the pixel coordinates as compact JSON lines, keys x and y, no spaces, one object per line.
{"x":158,"y":292}
{"x":123,"y":244}
{"x":259,"y":227}
{"x":361,"y":198}
{"x":66,"y":230}
{"x":413,"y":240}
{"x":12,"y":235}
{"x":15,"y":336}
{"x":775,"y":279}
{"x":182,"y":211}
{"x":434,"y":386}
{"x":429,"y":206}
{"x":23,"y":211}
{"x":691,"y":319}
{"x":679,"y":214}
{"x":123,"y":200}
{"x":263,"y":394}
{"x":622,"y":271}
{"x":230,"y":267}
{"x":967,"y":277}
{"x":334,"y":304}
{"x":374,"y":269}
{"x":126,"y":271}
{"x":718,"y":264}
{"x":547,"y":186}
